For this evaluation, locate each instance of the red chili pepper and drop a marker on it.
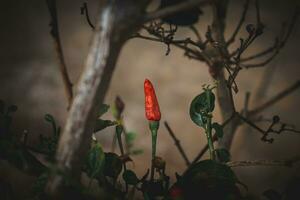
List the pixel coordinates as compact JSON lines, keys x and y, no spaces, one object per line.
{"x":151,"y":104}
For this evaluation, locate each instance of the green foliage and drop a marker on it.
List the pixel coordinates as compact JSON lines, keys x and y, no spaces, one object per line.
{"x":130,"y":177}
{"x":95,"y":161}
{"x":223,"y":155}
{"x":201,"y":106}
{"x":218,"y":129}
{"x":49,"y":144}
{"x":211,"y":179}
{"x":113,"y":165}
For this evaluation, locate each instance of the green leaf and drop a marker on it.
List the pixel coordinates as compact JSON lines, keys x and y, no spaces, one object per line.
{"x":95,"y":161}
{"x":103,"y":109}
{"x":210,"y":179}
{"x":130,"y":137}
{"x":201,"y":106}
{"x":130,"y":177}
{"x":136,"y":151}
{"x":223,"y":155}
{"x":102,"y":124}
{"x":113,"y":165}
{"x":218,"y":129}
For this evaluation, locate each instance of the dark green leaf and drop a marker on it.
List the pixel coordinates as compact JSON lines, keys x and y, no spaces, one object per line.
{"x":130,"y":178}
{"x":201,"y":106}
{"x":218,"y":129}
{"x":95,"y":161}
{"x":103,"y":109}
{"x":130,"y":137}
{"x":113,"y":165}
{"x":223,"y":155}
{"x":102,"y":124}
{"x":210,"y":179}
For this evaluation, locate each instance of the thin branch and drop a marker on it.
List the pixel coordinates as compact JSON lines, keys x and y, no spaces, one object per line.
{"x":58,"y":46}
{"x":271,"y":163}
{"x":85,"y":11}
{"x":278,"y":45}
{"x":177,"y":143}
{"x":275,"y":99}
{"x":242,"y":20}
{"x":165,"y":12}
{"x":270,"y":129}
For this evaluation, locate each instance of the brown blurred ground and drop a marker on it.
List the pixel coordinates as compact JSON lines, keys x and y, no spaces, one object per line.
{"x":29,"y":78}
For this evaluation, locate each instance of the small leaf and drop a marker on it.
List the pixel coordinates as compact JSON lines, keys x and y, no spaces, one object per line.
{"x":119,"y":130}
{"x":113,"y":165}
{"x":95,"y":161}
{"x":130,"y":177}
{"x":201,"y":106}
{"x":218,"y":129}
{"x":130,"y":137}
{"x":103,"y":109}
{"x":223,"y":155}
{"x":102,"y":124}
{"x":49,"y":118}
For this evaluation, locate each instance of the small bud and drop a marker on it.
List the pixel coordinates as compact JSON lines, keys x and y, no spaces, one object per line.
{"x":159,"y":163}
{"x":250,"y":29}
{"x":119,"y":105}
{"x":276,"y":119}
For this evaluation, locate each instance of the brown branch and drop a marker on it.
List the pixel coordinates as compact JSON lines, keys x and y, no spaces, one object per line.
{"x":58,"y":47}
{"x":242,"y":20}
{"x":271,"y":163}
{"x":177,"y":144}
{"x":275,"y":99}
{"x":175,"y":9}
{"x":112,"y":29}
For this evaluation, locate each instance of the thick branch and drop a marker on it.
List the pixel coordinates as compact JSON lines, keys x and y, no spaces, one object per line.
{"x":112,"y":29}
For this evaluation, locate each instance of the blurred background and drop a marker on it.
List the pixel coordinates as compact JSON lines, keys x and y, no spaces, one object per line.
{"x":30,"y":79}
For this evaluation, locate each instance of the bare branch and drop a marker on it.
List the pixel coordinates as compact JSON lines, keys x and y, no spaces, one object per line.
{"x":271,"y":163}
{"x":275,"y":99}
{"x":58,"y":47}
{"x":242,"y":20}
{"x":177,"y":143}
{"x":175,"y":9}
{"x":85,"y":11}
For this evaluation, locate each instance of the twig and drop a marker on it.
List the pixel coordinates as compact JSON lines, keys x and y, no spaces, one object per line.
{"x":56,"y":38}
{"x":276,"y":47}
{"x":84,"y":10}
{"x":269,"y":130}
{"x":271,"y":163}
{"x":175,"y":9}
{"x":243,"y":17}
{"x":275,"y":99}
{"x":177,"y":143}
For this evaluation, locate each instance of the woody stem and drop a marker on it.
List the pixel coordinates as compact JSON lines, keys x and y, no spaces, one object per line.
{"x":209,"y":139}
